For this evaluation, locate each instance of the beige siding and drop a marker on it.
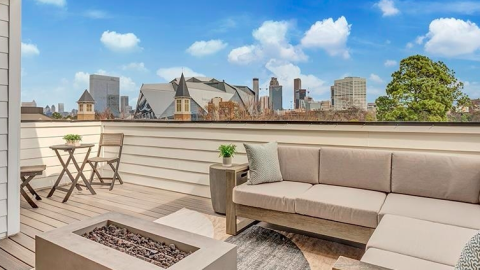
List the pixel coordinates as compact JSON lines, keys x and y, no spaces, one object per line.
{"x":177,"y":156}
{"x":36,"y":138}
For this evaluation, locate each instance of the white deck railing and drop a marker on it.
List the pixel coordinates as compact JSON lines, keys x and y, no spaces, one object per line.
{"x":176,"y":156}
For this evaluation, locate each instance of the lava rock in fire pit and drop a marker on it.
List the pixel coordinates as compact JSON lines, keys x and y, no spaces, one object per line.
{"x":141,"y":247}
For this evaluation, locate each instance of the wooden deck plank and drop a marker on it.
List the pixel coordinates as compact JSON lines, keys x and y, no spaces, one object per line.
{"x":47,"y":213}
{"x":97,"y":205}
{"x":18,"y":251}
{"x":44,"y":219}
{"x":164,"y":201}
{"x":28,"y":230}
{"x":9,"y":262}
{"x":61,"y":211}
{"x":35,"y":224}
{"x":24,"y":240}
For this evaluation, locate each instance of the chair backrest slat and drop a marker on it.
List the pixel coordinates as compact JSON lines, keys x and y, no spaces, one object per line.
{"x":111,"y":139}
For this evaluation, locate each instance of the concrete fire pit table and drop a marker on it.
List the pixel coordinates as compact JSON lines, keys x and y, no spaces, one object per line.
{"x":66,"y":249}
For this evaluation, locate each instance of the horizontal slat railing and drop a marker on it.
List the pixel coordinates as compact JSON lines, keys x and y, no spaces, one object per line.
{"x":177,"y":156}
{"x":37,"y":137}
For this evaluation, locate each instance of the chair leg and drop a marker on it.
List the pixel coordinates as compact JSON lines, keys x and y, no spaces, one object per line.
{"x":34,"y":193}
{"x":93,"y":171}
{"x":118,"y":173}
{"x":27,"y":198}
{"x":26,"y":183}
{"x":115,"y":175}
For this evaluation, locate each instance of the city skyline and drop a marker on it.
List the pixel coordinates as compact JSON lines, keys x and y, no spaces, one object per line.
{"x":317,"y":42}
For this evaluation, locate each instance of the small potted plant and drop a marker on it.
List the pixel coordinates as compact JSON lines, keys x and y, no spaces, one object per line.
{"x":72,"y":139}
{"x":227,"y":152}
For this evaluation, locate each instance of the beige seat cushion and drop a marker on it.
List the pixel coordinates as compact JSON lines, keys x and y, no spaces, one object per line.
{"x":357,"y":168}
{"x":299,"y":164}
{"x":421,"y":239}
{"x":447,"y":212}
{"x":348,"y":205}
{"x":278,"y":196}
{"x":436,"y":176}
{"x":397,"y":261}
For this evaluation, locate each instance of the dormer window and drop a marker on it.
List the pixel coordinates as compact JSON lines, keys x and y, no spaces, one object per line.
{"x":187,"y":105}
{"x":178,"y":107}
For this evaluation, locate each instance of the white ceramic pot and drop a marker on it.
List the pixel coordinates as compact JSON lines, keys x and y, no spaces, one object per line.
{"x":227,"y":161}
{"x":73,"y":143}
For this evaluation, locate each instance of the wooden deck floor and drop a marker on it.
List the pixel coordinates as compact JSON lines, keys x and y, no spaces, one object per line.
{"x":18,"y":252}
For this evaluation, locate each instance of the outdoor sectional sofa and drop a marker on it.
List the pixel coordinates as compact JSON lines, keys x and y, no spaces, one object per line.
{"x":412,"y":210}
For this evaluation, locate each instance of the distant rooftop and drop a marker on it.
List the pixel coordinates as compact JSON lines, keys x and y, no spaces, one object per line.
{"x":86,"y":97}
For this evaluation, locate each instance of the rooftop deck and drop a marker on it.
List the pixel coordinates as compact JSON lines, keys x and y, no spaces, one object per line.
{"x":18,"y":252}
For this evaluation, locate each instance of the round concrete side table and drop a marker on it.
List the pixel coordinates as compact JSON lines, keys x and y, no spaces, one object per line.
{"x":221,"y":178}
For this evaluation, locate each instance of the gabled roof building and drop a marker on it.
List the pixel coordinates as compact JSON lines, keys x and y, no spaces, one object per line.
{"x":156,"y":101}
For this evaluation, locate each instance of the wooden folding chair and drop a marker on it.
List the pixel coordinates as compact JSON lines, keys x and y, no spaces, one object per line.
{"x":107,"y":140}
{"x":27,"y":173}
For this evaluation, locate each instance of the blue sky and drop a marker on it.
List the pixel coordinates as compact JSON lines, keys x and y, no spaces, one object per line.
{"x":318,"y":41}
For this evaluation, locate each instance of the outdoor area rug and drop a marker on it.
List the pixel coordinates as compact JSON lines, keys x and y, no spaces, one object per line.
{"x":320,"y":254}
{"x":265,"y":249}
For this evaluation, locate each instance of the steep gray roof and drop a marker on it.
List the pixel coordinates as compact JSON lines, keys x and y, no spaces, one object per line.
{"x":86,"y":97}
{"x":182,"y":89}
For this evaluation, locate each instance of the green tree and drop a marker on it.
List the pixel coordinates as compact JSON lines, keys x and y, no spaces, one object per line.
{"x":56,"y":115}
{"x":421,"y":90}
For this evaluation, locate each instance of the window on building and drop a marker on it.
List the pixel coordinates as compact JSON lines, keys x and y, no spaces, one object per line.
{"x":80,"y":108}
{"x":187,"y":105}
{"x":179,"y":106}
{"x":89,"y":107}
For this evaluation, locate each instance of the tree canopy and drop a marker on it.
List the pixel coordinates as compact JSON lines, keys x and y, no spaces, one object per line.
{"x":421,"y":90}
{"x":56,"y":115}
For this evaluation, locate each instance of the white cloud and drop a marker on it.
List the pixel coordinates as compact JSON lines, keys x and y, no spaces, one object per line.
{"x":101,"y":72}
{"x":81,"y":80}
{"x":97,"y":14}
{"x":169,"y":74}
{"x":286,"y":72}
{"x":390,"y":63}
{"x":375,"y":78}
{"x":271,"y":40}
{"x":409,"y":45}
{"x":472,"y":89}
{"x":120,"y":42}
{"x":29,"y":49}
{"x":419,"y":40}
{"x":244,"y":55}
{"x":329,"y":35}
{"x":452,"y":37}
{"x":60,"y":3}
{"x":202,"y":48}
{"x":127,"y":84}
{"x":135,"y":66}
{"x":387,"y":7}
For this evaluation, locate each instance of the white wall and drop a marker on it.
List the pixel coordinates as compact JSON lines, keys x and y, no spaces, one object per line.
{"x":9,"y":116}
{"x":177,"y":156}
{"x":37,"y":137}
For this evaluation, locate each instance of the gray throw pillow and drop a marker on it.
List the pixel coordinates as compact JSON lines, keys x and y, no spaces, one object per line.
{"x":263,"y":163}
{"x":470,"y":257}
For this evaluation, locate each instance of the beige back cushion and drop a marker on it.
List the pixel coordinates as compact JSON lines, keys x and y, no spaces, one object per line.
{"x":299,"y":164}
{"x":436,"y":176}
{"x":356,"y":168}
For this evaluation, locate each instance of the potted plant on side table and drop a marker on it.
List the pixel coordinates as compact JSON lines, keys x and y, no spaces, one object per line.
{"x":72,"y":139}
{"x":227,"y":152}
